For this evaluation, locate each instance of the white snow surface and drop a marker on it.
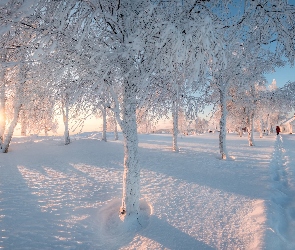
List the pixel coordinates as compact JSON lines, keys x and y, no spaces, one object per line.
{"x":54,"y":196}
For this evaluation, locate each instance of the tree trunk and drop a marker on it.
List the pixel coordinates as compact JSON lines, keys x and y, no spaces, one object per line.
{"x":2,"y":106}
{"x":271,"y":129}
{"x":17,"y":105}
{"x":147,"y":126}
{"x":131,"y":176}
{"x":261,"y":129}
{"x":175,"y":112}
{"x":267,"y":124}
{"x":222,"y":124}
{"x":240,"y":131}
{"x":8,"y":136}
{"x":104,"y":124}
{"x":251,"y":129}
{"x":46,"y":129}
{"x":116,"y":137}
{"x":65,"y":112}
{"x":23,"y":124}
{"x":175,"y":128}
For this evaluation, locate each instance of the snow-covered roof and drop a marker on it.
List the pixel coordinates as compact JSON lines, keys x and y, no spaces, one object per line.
{"x":288,"y":121}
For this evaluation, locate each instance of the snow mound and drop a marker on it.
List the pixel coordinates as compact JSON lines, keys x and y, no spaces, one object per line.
{"x":115,"y":230}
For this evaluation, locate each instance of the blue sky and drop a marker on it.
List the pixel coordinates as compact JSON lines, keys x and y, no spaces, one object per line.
{"x":285,"y":74}
{"x":282,"y":75}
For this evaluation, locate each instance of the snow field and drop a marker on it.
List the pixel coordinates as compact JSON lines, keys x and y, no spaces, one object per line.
{"x":68,"y":197}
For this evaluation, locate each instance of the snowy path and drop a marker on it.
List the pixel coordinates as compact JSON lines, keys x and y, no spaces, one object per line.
{"x":281,"y":231}
{"x":51,"y":195}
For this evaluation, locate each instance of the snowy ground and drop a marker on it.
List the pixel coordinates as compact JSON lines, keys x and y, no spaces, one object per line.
{"x":63,"y":197}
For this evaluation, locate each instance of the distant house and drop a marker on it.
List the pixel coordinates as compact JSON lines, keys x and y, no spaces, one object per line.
{"x":288,"y":126}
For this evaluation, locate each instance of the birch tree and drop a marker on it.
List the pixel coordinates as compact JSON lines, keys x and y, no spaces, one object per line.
{"x":142,"y":34}
{"x":17,"y":102}
{"x":2,"y":104}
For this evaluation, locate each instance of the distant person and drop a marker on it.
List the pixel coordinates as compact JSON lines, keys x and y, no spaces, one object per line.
{"x":278,"y":130}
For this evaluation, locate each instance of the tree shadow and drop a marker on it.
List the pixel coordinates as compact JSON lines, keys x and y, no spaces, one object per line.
{"x":170,"y":237}
{"x":206,"y":169}
{"x":22,"y":224}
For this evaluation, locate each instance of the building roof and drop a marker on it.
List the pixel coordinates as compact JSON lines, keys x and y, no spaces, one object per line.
{"x":288,"y":120}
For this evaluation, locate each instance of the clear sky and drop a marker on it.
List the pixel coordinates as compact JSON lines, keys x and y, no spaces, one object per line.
{"x":285,"y":74}
{"x":282,"y":76}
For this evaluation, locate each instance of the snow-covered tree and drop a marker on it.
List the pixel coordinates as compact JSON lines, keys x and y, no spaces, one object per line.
{"x":17,"y":100}
{"x":112,"y":124}
{"x":200,"y":125}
